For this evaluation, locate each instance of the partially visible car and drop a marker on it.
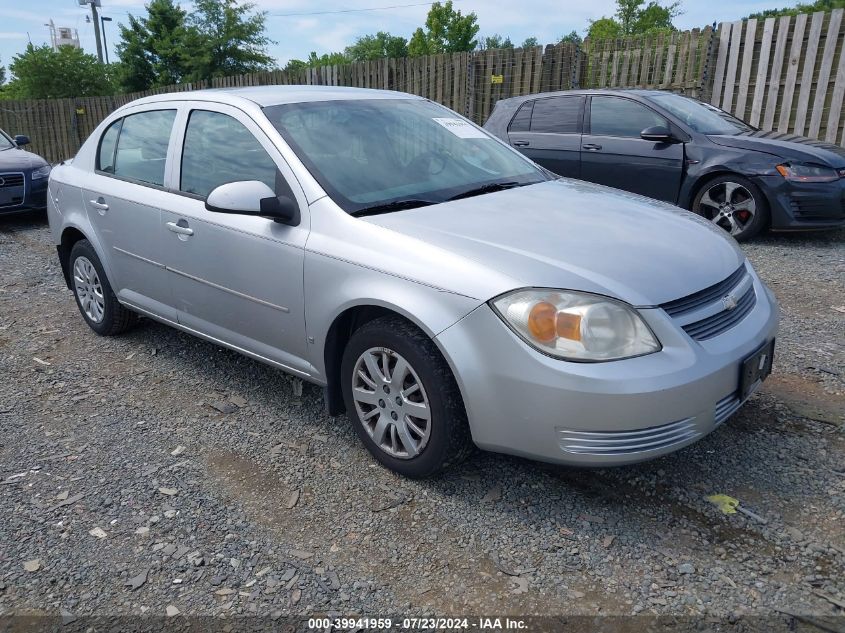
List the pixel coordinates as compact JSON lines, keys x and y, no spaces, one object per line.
{"x":684,"y":151}
{"x":23,"y":176}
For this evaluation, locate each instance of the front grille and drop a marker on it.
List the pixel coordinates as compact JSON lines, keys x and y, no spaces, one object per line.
{"x":725,"y":408}
{"x":725,"y":320}
{"x":627,"y":442}
{"x":679,"y":307}
{"x":11,"y":180}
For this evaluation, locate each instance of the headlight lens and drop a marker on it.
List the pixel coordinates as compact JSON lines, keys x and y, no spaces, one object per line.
{"x":41,"y":172}
{"x":576,"y":326}
{"x":801,"y":172}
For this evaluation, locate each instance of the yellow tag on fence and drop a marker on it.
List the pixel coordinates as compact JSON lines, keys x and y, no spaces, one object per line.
{"x":497,"y":79}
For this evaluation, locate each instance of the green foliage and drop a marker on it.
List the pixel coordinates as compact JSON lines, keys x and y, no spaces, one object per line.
{"x":226,"y":38}
{"x":2,"y":74}
{"x":446,"y":31}
{"x":495,"y":41}
{"x":42,"y":73}
{"x":819,"y":5}
{"x":528,"y":42}
{"x":632,"y":18}
{"x":570,"y":38}
{"x":377,"y":46}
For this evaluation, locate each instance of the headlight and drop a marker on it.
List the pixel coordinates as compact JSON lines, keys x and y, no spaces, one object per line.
{"x":576,"y":326}
{"x":41,"y":172}
{"x":801,"y":172}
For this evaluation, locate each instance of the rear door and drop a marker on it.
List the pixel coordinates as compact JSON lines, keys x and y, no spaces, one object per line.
{"x":614,"y":154}
{"x":548,"y":131}
{"x":123,"y":201}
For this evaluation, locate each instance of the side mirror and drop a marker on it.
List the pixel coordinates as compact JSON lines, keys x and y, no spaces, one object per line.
{"x":658,"y":134}
{"x":21,"y":140}
{"x":252,"y":197}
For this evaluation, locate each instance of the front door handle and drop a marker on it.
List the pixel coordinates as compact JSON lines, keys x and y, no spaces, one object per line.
{"x":521,"y":143}
{"x":99,"y":204}
{"x":592,"y":147}
{"x":181,"y":230}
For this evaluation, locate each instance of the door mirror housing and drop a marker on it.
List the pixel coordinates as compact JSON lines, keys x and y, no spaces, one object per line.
{"x":252,"y":197}
{"x":658,"y":134}
{"x":21,"y":140}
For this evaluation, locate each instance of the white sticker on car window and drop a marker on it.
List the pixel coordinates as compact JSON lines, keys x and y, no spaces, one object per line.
{"x":460,"y":128}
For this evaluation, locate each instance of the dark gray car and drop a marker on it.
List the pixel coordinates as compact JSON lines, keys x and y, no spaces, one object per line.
{"x":681,"y":150}
{"x":23,"y":176}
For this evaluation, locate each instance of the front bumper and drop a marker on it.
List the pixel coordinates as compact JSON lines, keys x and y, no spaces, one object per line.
{"x":522,"y":402}
{"x":815,"y":205}
{"x":33,"y":196}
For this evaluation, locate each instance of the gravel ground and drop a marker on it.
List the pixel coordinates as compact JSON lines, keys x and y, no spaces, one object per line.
{"x":154,"y":472}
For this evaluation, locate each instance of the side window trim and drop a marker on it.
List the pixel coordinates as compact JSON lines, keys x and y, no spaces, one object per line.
{"x":97,"y":169}
{"x":588,"y":122}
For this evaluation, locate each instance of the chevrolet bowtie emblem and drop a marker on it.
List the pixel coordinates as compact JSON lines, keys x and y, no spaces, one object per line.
{"x":730,"y":302}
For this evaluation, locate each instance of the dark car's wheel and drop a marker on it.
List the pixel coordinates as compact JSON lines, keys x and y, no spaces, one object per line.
{"x":403,"y":400}
{"x":733,"y":203}
{"x":94,"y":297}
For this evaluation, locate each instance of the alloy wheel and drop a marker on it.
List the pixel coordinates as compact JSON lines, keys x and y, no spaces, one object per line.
{"x":391,"y":402}
{"x":89,"y":290}
{"x":729,"y":205}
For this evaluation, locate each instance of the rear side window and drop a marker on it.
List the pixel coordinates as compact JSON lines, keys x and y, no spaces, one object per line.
{"x":558,"y":115}
{"x":522,"y":121}
{"x":108,"y":143}
{"x":613,"y":116}
{"x":219,"y":149}
{"x":142,"y":146}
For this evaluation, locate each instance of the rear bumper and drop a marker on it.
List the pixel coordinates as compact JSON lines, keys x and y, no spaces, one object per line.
{"x":522,"y":402}
{"x":804,"y":205}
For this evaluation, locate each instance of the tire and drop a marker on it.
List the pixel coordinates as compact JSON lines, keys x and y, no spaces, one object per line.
{"x":734,"y":204}
{"x":93,"y":293}
{"x":441,"y":441}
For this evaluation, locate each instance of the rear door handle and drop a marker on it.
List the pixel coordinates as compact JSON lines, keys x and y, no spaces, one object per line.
{"x":181,"y":230}
{"x":592,"y":147}
{"x":100,"y":204}
{"x":521,"y":143}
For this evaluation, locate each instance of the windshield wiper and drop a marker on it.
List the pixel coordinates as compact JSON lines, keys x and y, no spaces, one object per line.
{"x":396,"y":205}
{"x":488,"y":188}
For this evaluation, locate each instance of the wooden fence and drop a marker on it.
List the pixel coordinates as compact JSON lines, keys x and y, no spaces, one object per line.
{"x":785,"y":74}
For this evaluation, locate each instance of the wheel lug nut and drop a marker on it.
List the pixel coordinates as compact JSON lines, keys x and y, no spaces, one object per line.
{"x":394,"y":415}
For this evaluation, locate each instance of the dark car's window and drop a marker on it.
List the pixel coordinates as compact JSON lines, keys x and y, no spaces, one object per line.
{"x":6,"y":142}
{"x":108,"y":143}
{"x":371,"y":152}
{"x":522,"y":121}
{"x":701,"y":117}
{"x":218,"y":149}
{"x":559,"y":115}
{"x":142,"y":146}
{"x":613,"y":116}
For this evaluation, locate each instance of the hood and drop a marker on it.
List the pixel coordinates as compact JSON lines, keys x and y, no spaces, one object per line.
{"x":20,"y":159}
{"x":788,"y":146}
{"x":579,"y":236}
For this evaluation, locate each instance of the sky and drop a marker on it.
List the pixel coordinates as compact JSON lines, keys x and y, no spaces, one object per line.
{"x":301,"y":26}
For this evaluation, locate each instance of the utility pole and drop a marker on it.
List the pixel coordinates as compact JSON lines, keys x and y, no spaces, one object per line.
{"x":103,"y":20}
{"x":96,"y":19}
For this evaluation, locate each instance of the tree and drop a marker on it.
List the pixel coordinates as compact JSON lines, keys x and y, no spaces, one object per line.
{"x":495,"y":41}
{"x":570,"y":38}
{"x":152,"y":49}
{"x":528,"y":42}
{"x":604,"y":29}
{"x":225,"y":38}
{"x":2,"y":74}
{"x":818,"y":5}
{"x":632,"y":18}
{"x":446,"y":31}
{"x":655,"y":18}
{"x":42,"y":73}
{"x":377,"y":46}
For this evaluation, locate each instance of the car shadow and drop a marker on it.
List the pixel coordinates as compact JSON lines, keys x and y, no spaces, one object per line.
{"x":22,"y":221}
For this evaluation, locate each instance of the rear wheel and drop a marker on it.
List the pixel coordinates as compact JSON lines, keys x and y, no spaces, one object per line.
{"x":734,"y":204}
{"x":403,"y":400}
{"x":94,"y":296}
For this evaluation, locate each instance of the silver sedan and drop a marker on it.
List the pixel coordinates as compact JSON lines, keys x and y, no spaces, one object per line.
{"x":444,"y":290}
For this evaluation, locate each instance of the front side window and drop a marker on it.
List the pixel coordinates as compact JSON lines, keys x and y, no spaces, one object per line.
{"x":371,"y":152}
{"x":6,"y":142}
{"x":613,"y":116}
{"x":558,"y":115}
{"x":108,"y":143}
{"x":142,"y":146}
{"x":219,"y":149}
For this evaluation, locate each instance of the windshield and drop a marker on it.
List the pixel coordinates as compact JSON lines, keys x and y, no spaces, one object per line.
{"x":701,"y":117}
{"x":5,"y":141}
{"x":369,"y":153}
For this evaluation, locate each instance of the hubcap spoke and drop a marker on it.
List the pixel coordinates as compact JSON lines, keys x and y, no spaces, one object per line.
{"x":706,"y":200}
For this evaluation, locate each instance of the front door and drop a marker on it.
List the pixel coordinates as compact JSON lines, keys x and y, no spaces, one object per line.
{"x":235,"y":278}
{"x":613,"y":154}
{"x":123,"y":199}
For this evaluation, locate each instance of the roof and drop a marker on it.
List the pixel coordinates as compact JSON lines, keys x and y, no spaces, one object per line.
{"x":593,"y":91}
{"x":276,"y":95}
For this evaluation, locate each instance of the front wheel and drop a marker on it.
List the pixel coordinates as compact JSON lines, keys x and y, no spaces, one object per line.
{"x":734,"y":204}
{"x":403,"y":400}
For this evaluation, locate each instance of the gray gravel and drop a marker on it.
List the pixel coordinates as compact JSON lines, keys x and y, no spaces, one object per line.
{"x":154,"y":472}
